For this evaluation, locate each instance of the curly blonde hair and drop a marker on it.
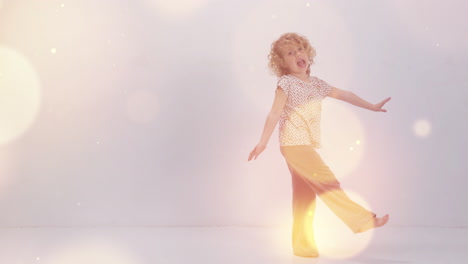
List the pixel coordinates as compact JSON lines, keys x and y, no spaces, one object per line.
{"x":276,"y":62}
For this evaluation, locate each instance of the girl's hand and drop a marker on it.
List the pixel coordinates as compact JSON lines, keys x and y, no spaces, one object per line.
{"x":256,"y":151}
{"x":378,"y":107}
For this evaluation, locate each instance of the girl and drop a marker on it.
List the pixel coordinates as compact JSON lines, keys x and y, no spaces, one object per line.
{"x":297,"y":108}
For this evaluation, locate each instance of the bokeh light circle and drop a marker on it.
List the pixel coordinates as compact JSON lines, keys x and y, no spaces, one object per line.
{"x":19,"y":94}
{"x":422,"y":128}
{"x":334,"y":239}
{"x":343,"y":138}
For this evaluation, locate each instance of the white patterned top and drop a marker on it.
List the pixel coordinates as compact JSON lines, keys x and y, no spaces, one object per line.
{"x":299,"y":123}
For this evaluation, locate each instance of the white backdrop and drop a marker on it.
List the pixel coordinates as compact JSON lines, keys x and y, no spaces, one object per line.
{"x":144,"y":112}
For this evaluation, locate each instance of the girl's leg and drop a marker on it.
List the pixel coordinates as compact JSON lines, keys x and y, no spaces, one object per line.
{"x":303,"y":215}
{"x":306,"y":162}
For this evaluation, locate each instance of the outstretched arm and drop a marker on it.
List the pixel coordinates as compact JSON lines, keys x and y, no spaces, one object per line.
{"x":353,"y":99}
{"x":270,"y":123}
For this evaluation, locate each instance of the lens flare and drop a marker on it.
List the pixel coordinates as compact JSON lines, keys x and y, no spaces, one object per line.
{"x":19,"y":94}
{"x":422,"y":128}
{"x":342,"y":131}
{"x":333,"y":238}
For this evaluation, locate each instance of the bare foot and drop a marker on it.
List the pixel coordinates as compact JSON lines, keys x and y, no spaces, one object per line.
{"x":378,"y":222}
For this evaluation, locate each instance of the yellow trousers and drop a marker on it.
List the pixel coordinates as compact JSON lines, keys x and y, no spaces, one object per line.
{"x":312,"y":177}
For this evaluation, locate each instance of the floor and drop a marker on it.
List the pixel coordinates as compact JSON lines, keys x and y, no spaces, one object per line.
{"x":239,"y":245}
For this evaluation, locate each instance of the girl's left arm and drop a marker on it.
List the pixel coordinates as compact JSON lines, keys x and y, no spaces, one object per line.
{"x":353,"y":99}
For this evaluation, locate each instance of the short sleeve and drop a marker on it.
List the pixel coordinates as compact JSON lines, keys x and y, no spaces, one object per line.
{"x":324,"y":87}
{"x":284,"y":83}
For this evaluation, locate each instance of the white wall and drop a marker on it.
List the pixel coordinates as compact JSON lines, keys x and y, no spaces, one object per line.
{"x":148,"y":111}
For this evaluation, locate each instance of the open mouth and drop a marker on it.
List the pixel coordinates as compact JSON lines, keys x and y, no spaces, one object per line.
{"x":301,"y":63}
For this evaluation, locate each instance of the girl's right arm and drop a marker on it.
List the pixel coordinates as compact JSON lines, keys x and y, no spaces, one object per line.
{"x":270,"y":123}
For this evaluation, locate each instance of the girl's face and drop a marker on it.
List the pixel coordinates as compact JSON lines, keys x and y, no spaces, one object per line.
{"x":295,"y":59}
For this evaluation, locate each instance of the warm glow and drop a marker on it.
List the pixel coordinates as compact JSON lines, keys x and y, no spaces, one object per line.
{"x":422,"y":128}
{"x":19,"y":94}
{"x":340,"y":129}
{"x":333,"y":238}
